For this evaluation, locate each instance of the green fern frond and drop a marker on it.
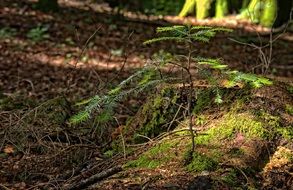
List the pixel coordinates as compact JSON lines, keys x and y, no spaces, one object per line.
{"x":252,"y":79}
{"x":265,"y":81}
{"x":153,"y":83}
{"x":147,"y":77}
{"x":80,"y":117}
{"x":171,"y":28}
{"x":200,"y":28}
{"x":166,"y":38}
{"x":206,"y":33}
{"x":221,"y":29}
{"x":132,"y":78}
{"x":209,"y":34}
{"x":213,"y":63}
{"x":201,"y":38}
{"x":83,"y":102}
{"x":104,"y":116}
{"x":218,"y":98}
{"x":115,"y":91}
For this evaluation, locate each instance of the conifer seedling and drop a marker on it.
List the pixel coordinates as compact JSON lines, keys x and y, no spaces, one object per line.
{"x":191,"y":66}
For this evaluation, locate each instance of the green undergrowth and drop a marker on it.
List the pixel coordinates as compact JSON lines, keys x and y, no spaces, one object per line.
{"x":155,"y":156}
{"x":158,"y":114}
{"x":176,"y":152}
{"x":213,"y":144}
{"x":261,"y":125}
{"x":230,"y":178}
{"x":289,"y":109}
{"x":290,"y":89}
{"x":230,"y":125}
{"x":15,"y":102}
{"x":234,"y":178}
{"x":275,"y":125}
{"x":218,"y":143}
{"x":202,"y":162}
{"x":155,"y":115}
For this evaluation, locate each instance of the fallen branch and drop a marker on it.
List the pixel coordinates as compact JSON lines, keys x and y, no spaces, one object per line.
{"x":94,"y":179}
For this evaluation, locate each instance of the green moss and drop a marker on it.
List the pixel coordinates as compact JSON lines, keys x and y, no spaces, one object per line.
{"x":271,"y":120}
{"x":156,"y":156}
{"x":109,"y":153}
{"x":202,"y":101}
{"x":288,"y":155}
{"x":230,"y":178}
{"x":275,"y":125}
{"x":117,"y":147}
{"x":15,"y":102}
{"x":290,"y":89}
{"x":143,"y":162}
{"x":289,"y":109}
{"x":200,"y":120}
{"x":285,"y":132}
{"x":201,"y":162}
{"x":156,"y":113}
{"x":217,"y":154}
{"x":232,"y":124}
{"x":236,"y":152}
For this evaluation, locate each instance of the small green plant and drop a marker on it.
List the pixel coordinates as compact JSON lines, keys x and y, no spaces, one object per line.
{"x":231,"y":177}
{"x":7,"y":32}
{"x":201,"y":162}
{"x":154,"y":157}
{"x":38,"y":34}
{"x":191,"y":66}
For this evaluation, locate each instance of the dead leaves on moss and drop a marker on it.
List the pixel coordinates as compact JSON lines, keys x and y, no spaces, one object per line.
{"x":278,"y":173}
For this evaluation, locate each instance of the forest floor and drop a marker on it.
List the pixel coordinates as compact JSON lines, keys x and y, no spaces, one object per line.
{"x":50,"y":61}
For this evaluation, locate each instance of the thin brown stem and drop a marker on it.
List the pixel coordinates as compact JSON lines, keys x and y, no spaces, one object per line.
{"x":190,"y":96}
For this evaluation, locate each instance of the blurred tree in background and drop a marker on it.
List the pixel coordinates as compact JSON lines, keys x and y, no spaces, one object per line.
{"x":261,"y":11}
{"x":150,"y":7}
{"x":264,"y":12}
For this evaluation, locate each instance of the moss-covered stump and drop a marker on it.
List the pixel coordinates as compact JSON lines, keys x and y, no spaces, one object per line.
{"x":234,"y":141}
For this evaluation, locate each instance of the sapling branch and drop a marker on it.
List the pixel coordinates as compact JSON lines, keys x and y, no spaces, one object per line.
{"x":190,"y":95}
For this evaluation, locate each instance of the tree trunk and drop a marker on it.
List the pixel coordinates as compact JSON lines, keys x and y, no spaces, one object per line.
{"x":269,"y":13}
{"x":254,"y":10}
{"x":188,"y":8}
{"x":221,"y":8}
{"x":261,"y":11}
{"x":245,"y":4}
{"x":202,"y":8}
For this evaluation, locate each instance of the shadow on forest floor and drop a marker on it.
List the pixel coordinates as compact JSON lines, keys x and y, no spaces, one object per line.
{"x":113,"y":43}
